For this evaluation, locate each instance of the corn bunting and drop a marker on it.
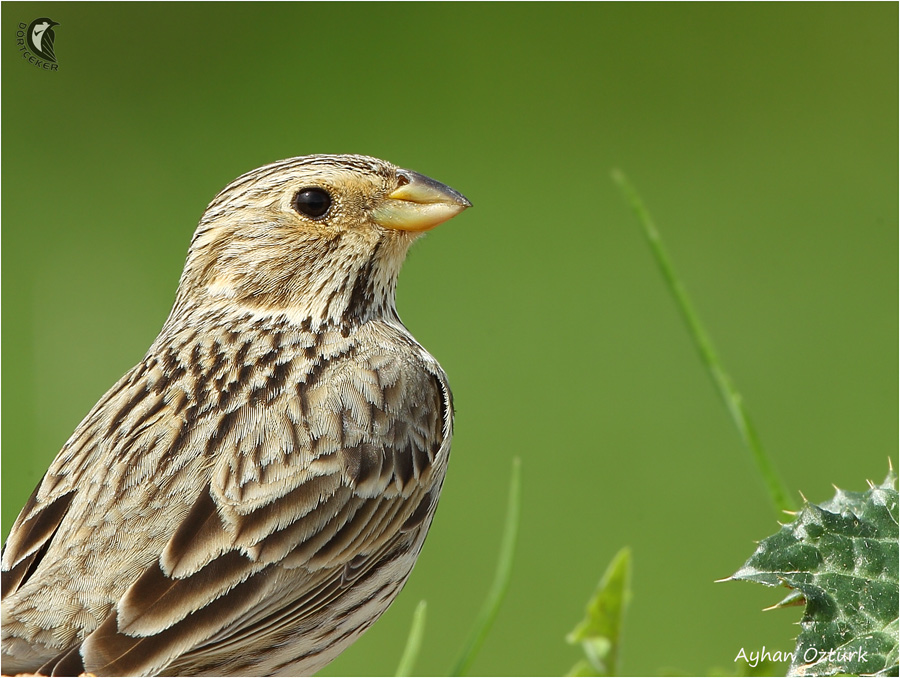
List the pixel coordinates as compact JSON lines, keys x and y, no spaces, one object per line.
{"x":251,"y":496}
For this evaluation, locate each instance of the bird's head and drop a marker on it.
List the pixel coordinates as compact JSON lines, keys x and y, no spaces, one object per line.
{"x":319,"y":237}
{"x":42,"y":24}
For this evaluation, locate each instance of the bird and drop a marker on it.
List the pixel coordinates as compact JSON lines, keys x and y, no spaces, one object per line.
{"x":41,"y":37}
{"x":253,"y":494}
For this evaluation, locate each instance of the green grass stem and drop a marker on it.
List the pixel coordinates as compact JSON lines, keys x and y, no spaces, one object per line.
{"x":729,"y":394}
{"x":413,"y":642}
{"x":501,"y":577}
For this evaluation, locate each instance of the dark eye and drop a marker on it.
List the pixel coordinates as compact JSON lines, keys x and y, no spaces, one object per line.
{"x":313,"y":202}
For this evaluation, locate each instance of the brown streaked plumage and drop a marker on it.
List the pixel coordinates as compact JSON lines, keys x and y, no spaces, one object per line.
{"x":251,"y":496}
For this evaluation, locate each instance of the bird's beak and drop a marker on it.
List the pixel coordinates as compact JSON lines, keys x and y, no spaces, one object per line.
{"x":418,"y":204}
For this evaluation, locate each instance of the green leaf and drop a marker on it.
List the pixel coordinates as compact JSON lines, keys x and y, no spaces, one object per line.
{"x":842,"y":557}
{"x":600,"y":633}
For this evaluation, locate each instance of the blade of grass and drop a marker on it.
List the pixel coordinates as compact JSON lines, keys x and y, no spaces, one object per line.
{"x":729,"y":394}
{"x":501,"y":577}
{"x":413,"y":642}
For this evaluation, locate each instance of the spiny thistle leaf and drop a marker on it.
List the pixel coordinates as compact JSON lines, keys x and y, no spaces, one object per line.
{"x":842,"y":558}
{"x":600,"y":632}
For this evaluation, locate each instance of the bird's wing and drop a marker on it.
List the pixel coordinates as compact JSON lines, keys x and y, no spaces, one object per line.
{"x":131,"y":421}
{"x":309,"y":491}
{"x":47,"y":44}
{"x":30,"y":535}
{"x":35,"y":528}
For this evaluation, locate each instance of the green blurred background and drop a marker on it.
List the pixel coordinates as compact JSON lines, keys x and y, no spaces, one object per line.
{"x":764,"y":140}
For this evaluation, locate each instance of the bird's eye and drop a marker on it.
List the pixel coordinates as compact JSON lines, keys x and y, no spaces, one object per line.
{"x":313,"y":202}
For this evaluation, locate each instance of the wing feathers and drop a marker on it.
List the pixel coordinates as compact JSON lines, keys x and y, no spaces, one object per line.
{"x":310,"y":532}
{"x":109,"y":652}
{"x":71,"y":664}
{"x":155,"y":602}
{"x":297,"y":504}
{"x":29,"y":539}
{"x":197,"y":540}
